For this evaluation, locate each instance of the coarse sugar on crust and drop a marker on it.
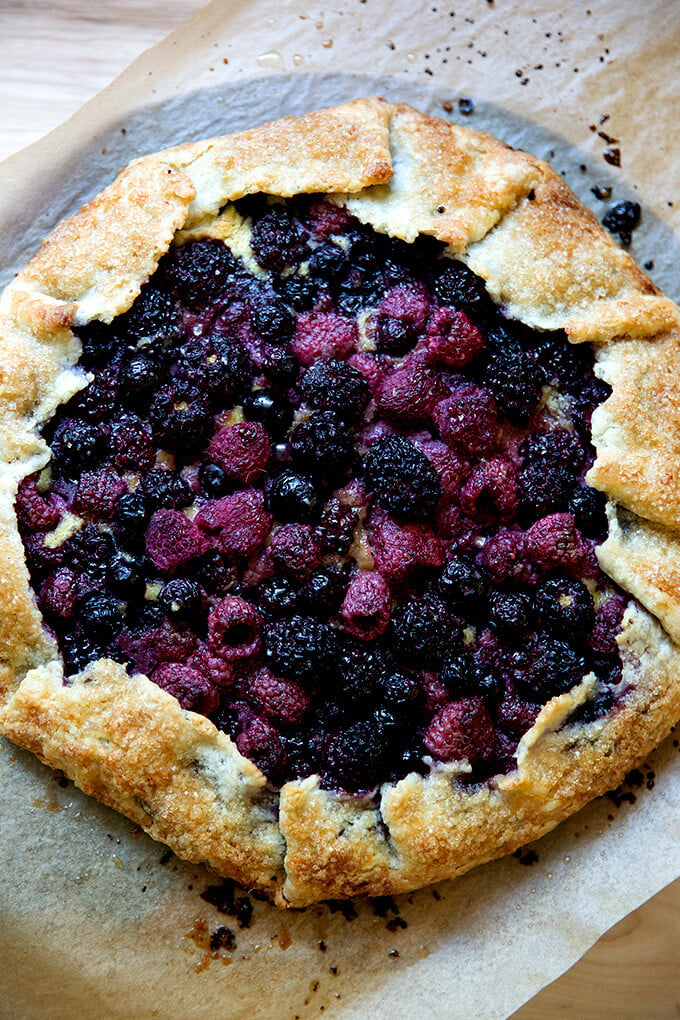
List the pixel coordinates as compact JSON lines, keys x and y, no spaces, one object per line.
{"x":548,"y":262}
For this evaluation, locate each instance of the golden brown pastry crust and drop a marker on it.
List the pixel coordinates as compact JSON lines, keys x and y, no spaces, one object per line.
{"x":547,"y":260}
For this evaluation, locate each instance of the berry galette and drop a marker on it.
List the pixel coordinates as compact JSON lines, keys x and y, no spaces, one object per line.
{"x":340,"y":502}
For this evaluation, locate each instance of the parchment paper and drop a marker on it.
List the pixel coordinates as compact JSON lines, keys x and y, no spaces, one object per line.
{"x":94,"y":919}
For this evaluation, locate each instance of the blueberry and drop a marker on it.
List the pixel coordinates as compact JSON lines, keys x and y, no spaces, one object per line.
{"x":275,"y":414}
{"x":126,"y":575}
{"x":180,"y":599}
{"x":294,"y":497}
{"x":395,"y":336}
{"x":327,"y":261}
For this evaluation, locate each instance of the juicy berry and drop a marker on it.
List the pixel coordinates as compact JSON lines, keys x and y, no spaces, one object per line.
{"x":401,"y":478}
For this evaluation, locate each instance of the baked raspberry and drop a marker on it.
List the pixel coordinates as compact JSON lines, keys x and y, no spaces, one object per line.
{"x":608,"y":619}
{"x":451,"y":339}
{"x":261,"y":743}
{"x":490,"y":493}
{"x":461,"y":730}
{"x":219,"y":671}
{"x":97,"y":493}
{"x":194,"y":691}
{"x":238,"y":523}
{"x":399,"y":549}
{"x":296,"y":550}
{"x":468,"y":421}
{"x":410,"y":393}
{"x":323,"y":335}
{"x":36,"y":512}
{"x":506,"y":557}
{"x":234,"y":629}
{"x":58,"y":594}
{"x":173,"y":540}
{"x":555,"y":541}
{"x":241,"y":450}
{"x":283,"y":702}
{"x":366,"y":606}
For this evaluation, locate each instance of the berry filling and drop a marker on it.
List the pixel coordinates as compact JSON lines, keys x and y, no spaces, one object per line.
{"x":326,"y":494}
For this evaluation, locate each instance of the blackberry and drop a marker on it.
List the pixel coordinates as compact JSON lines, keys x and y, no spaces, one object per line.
{"x":515,"y":383}
{"x":327,"y":262}
{"x":463,"y":583}
{"x":275,"y":414}
{"x":180,"y":417}
{"x":489,"y":684}
{"x":588,"y":507}
{"x":401,"y":478}
{"x":457,"y":286}
{"x":273,"y":322}
{"x":78,"y":652}
{"x":139,"y":377}
{"x":223,"y":370}
{"x":98,"y":400}
{"x":336,"y":526}
{"x":590,"y":711}
{"x":323,"y":593}
{"x":399,"y":690}
{"x":280,"y":367}
{"x":562,"y":363}
{"x":100,"y":341}
{"x":180,"y":599}
{"x":278,"y":241}
{"x":420,"y":632}
{"x":125,"y":576}
{"x":510,"y":613}
{"x":153,"y":315}
{"x":163,"y":489}
{"x":301,"y":648}
{"x":90,"y":550}
{"x":547,"y":669}
{"x":294,"y":497}
{"x":76,"y":446}
{"x":323,"y":445}
{"x":198,"y":271}
{"x":359,"y":669}
{"x":622,"y":218}
{"x":131,"y":515}
{"x":297,"y":291}
{"x":334,"y":385}
{"x":217,"y":576}
{"x":101,"y":616}
{"x":543,"y":488}
{"x":356,"y":757}
{"x":275,"y":597}
{"x":557,"y":448}
{"x":214,"y":481}
{"x":566,"y":608}
{"x":458,"y":673}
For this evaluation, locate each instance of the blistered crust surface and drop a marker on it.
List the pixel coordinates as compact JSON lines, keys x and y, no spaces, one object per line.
{"x":547,"y":260}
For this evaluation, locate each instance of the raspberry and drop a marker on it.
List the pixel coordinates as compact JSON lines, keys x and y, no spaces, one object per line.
{"x":366,"y":606}
{"x":242,"y":451}
{"x":234,"y":629}
{"x":282,"y":702}
{"x":468,"y":420}
{"x":76,"y":445}
{"x":173,"y":540}
{"x":608,"y":619}
{"x":420,"y":632}
{"x":58,"y":594}
{"x":97,"y":493}
{"x":457,"y":286}
{"x":301,"y":648}
{"x":401,"y":478}
{"x":277,"y":240}
{"x":296,"y":550}
{"x":451,"y":339}
{"x":326,"y":219}
{"x":323,"y":335}
{"x":294,"y":497}
{"x":194,"y":691}
{"x":410,"y":394}
{"x":461,"y":730}
{"x":372,"y":367}
{"x":133,"y":444}
{"x":490,"y":493}
{"x":323,"y":445}
{"x":36,"y":512}
{"x":262,"y":745}
{"x":402,"y":317}
{"x":565,"y":607}
{"x":198,"y":271}
{"x":450,"y":467}
{"x":555,"y":541}
{"x":335,"y":386}
{"x":505,"y":556}
{"x":239,"y":523}
{"x":217,"y":670}
{"x":400,"y":548}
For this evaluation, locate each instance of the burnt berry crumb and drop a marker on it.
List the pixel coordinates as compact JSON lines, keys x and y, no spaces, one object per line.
{"x":401,"y":478}
{"x":622,"y":218}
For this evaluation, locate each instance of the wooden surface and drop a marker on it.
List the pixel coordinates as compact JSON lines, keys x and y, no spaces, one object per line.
{"x":55,"y":56}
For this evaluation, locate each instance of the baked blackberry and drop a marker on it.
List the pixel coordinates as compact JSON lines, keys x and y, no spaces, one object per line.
{"x":273,"y":321}
{"x":278,"y":240}
{"x":76,"y":446}
{"x":180,"y":599}
{"x":401,"y":478}
{"x":515,"y":382}
{"x":323,"y":446}
{"x":622,"y":218}
{"x":421,"y":633}
{"x":101,"y":616}
{"x":588,"y":507}
{"x":180,"y":417}
{"x":510,"y":613}
{"x":294,"y":497}
{"x":334,"y":385}
{"x":457,"y":286}
{"x":271,"y":411}
{"x":301,"y":648}
{"x":464,"y":583}
{"x":565,"y":607}
{"x":197,"y":272}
